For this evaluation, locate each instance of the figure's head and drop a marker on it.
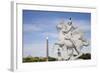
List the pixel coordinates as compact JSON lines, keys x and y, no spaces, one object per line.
{"x":60,"y":26}
{"x":70,"y":18}
{"x":69,"y":21}
{"x":64,"y":26}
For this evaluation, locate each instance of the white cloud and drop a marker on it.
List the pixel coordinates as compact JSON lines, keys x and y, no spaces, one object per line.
{"x":83,"y":25}
{"x":31,"y":28}
{"x":37,"y":49}
{"x":50,"y":34}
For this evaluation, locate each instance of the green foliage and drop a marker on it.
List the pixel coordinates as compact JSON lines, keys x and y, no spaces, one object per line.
{"x":43,"y":59}
{"x":85,"y":56}
{"x":52,"y":59}
{"x":37,"y":59}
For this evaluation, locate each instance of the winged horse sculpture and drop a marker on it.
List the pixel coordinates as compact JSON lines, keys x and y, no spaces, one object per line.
{"x":70,"y":38}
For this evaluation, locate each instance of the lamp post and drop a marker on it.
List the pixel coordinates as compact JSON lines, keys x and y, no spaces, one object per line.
{"x":59,"y":55}
{"x":47,"y":48}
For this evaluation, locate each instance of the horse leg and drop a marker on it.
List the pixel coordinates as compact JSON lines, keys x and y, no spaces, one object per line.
{"x":78,"y":51}
{"x":70,"y":53}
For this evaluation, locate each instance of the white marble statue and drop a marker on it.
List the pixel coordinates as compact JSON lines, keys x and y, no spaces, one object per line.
{"x":70,"y":38}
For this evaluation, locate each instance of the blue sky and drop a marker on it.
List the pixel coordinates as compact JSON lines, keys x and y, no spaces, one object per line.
{"x":37,"y":25}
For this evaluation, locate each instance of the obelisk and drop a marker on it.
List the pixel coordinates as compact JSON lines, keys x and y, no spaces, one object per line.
{"x":47,"y":48}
